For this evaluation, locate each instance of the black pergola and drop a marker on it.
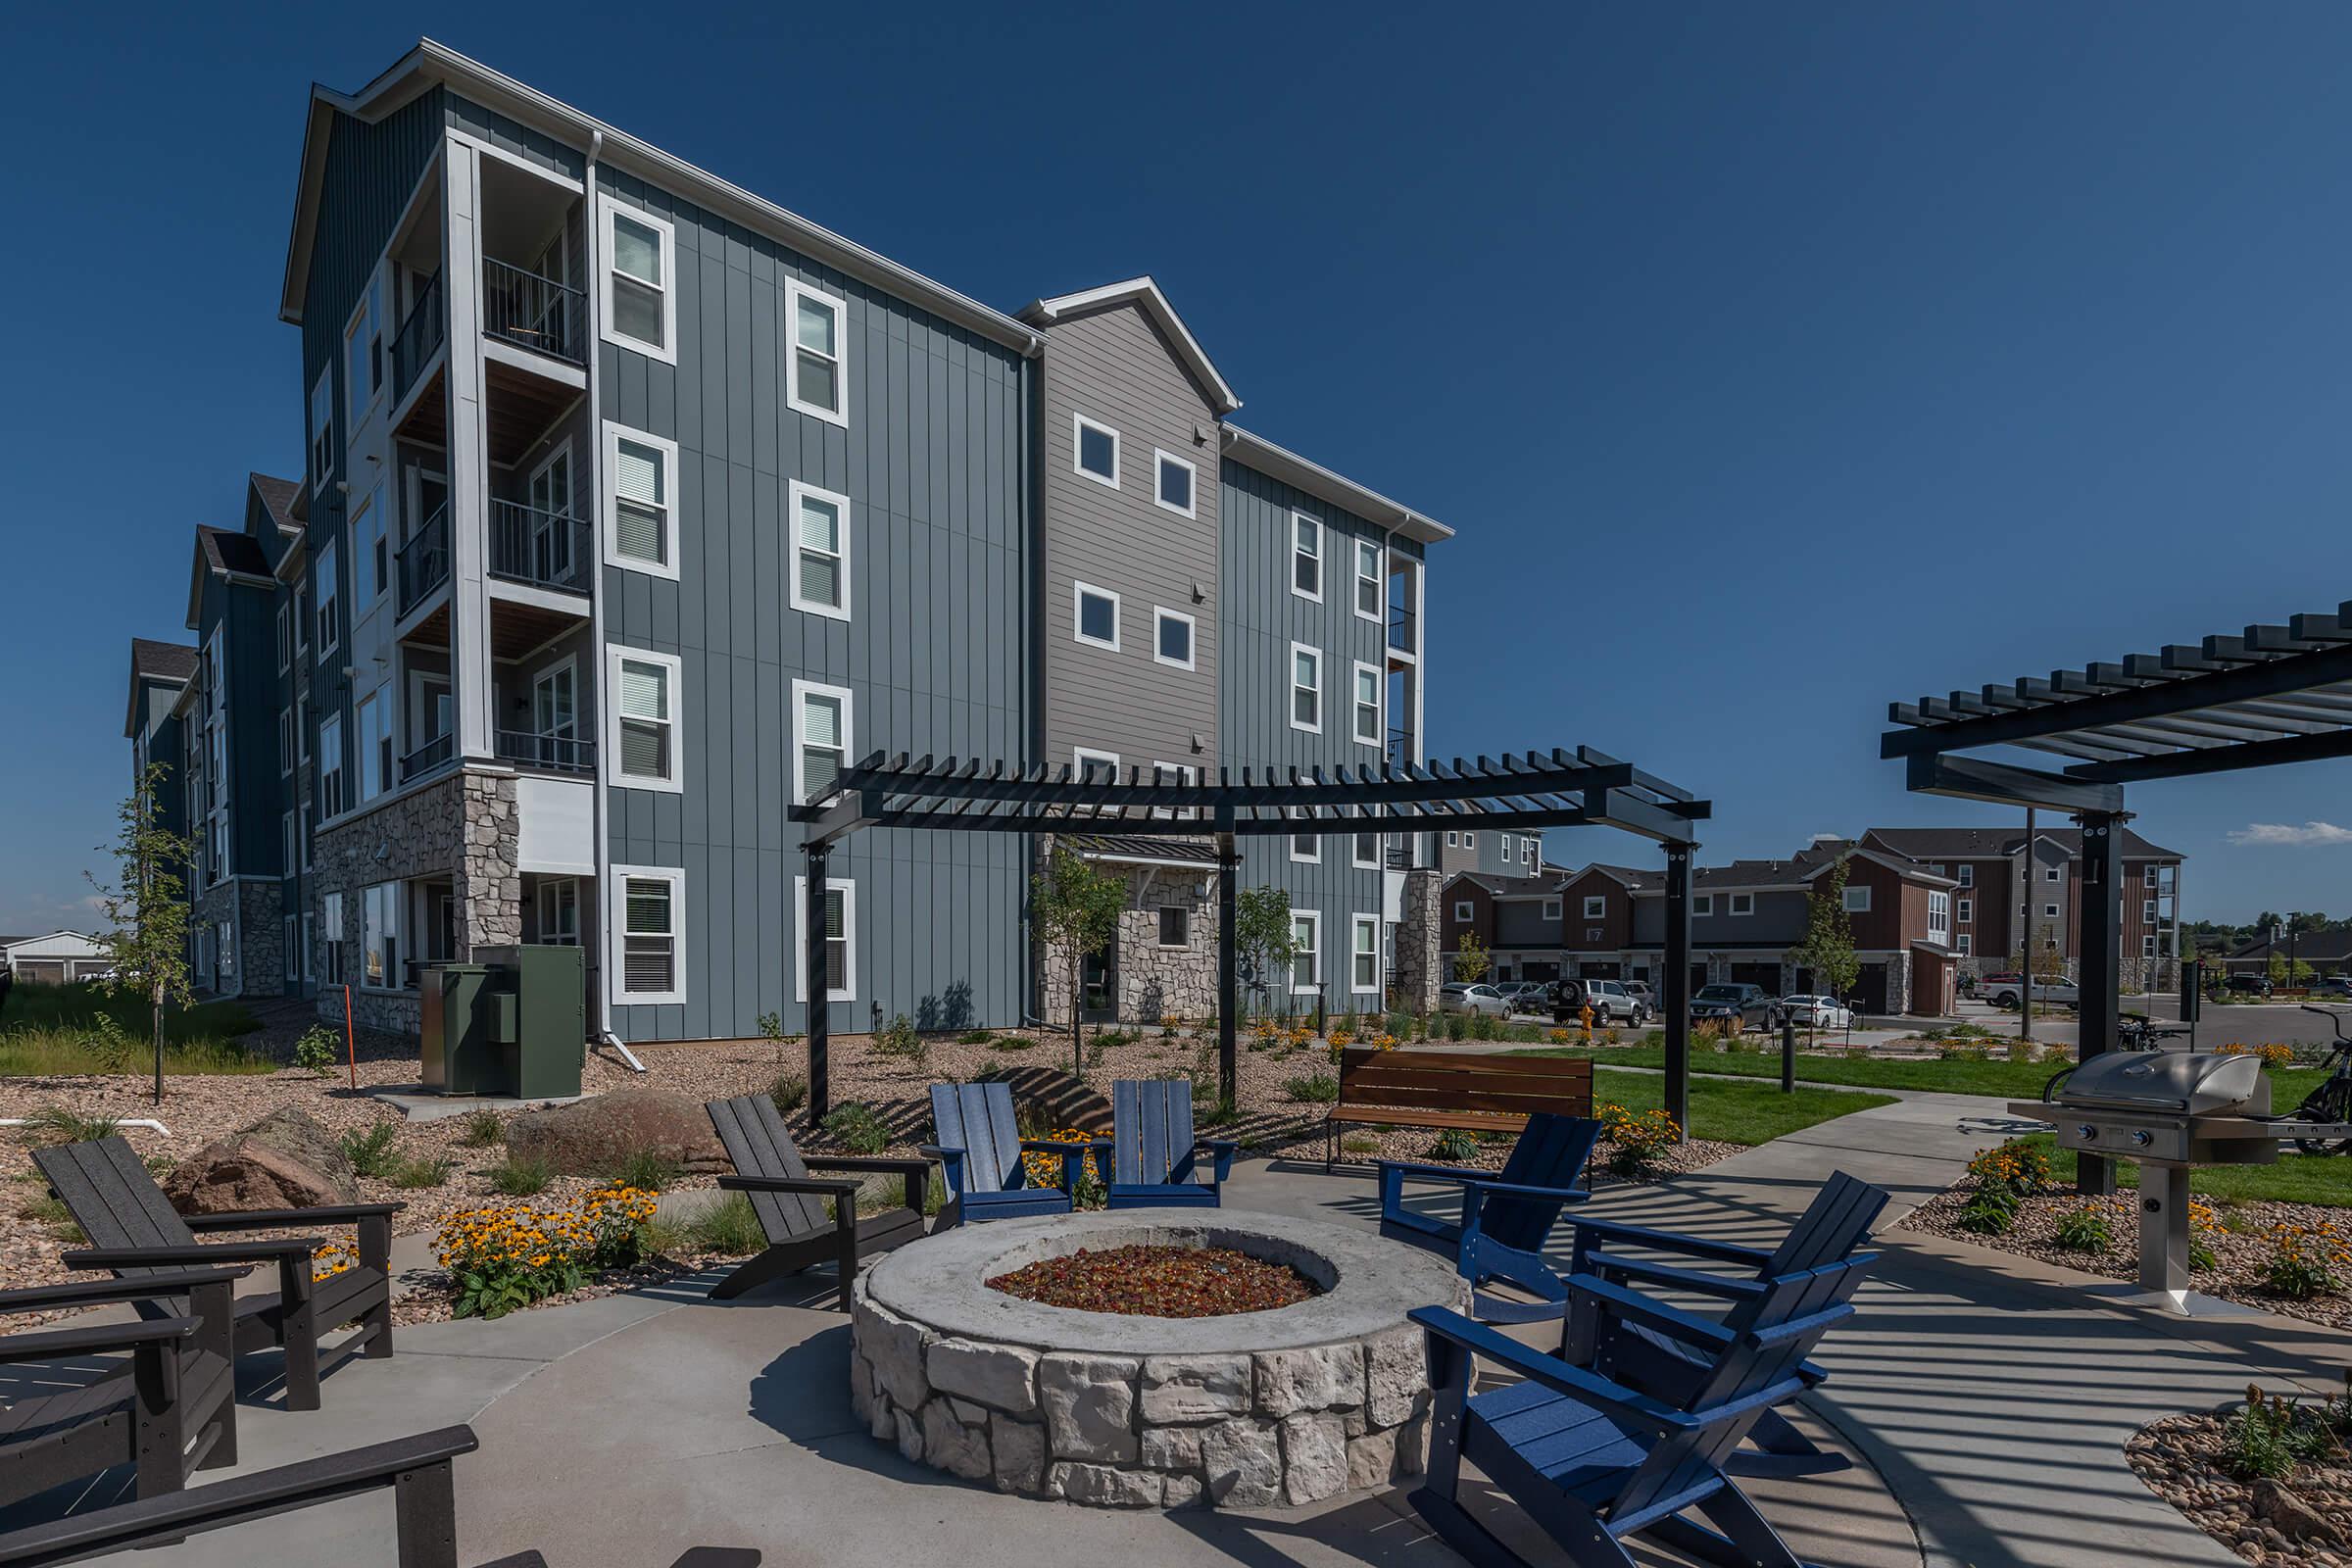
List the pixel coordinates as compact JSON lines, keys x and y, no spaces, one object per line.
{"x":2269,"y":696}
{"x":1530,"y":790}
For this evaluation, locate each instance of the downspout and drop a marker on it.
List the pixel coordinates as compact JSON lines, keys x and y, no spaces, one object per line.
{"x":598,"y":1013}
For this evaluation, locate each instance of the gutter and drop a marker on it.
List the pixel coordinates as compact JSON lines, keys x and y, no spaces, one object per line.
{"x":600,"y":796}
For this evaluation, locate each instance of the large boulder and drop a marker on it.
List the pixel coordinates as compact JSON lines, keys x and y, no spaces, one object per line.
{"x":284,"y":1160}
{"x":593,"y":1137}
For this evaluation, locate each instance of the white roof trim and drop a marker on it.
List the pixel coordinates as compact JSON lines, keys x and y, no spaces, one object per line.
{"x":430,"y":63}
{"x":1145,"y":292}
{"x":90,"y":947}
{"x":1256,"y":452}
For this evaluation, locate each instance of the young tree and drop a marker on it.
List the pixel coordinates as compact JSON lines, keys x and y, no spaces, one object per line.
{"x":1076,"y":914}
{"x":146,"y":908}
{"x":1471,"y":961}
{"x":1828,"y":946}
{"x":1263,"y":939}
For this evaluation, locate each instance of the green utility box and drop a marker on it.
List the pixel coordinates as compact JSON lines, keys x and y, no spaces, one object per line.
{"x":516,"y":1023}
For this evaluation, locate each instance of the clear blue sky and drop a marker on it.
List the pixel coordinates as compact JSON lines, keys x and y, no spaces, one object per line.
{"x":1772,"y":362}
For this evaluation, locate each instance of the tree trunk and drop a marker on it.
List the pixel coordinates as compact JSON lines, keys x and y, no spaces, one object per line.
{"x":159,"y":1042}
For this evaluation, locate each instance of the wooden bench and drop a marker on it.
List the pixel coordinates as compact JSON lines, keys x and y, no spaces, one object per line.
{"x":1440,"y":1089}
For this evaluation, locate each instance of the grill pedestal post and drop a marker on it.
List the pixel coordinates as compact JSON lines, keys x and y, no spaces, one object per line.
{"x":2164,"y":1231}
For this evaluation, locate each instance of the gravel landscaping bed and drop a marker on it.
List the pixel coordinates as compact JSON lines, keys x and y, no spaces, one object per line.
{"x":2241,"y":1250}
{"x":2304,"y":1521}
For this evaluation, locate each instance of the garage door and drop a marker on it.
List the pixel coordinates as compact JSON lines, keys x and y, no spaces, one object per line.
{"x":1871,"y":988}
{"x":41,"y":971}
{"x":1767,"y":976}
{"x":1535,"y":969}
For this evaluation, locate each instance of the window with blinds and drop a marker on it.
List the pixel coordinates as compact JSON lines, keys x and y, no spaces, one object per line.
{"x":824,"y":742}
{"x":641,"y":502}
{"x":820,"y":557}
{"x":647,"y":731}
{"x":649,"y":941}
{"x":837,"y":942}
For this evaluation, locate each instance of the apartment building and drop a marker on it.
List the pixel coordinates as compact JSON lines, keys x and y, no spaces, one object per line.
{"x":1489,"y":852}
{"x":636,"y":507}
{"x":159,"y":672}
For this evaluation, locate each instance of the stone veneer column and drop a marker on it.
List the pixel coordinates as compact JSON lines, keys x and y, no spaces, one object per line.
{"x":489,"y":884}
{"x":1417,"y":972}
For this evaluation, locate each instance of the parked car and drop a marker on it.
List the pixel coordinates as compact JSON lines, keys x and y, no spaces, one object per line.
{"x":1747,"y":1005}
{"x":2248,"y":985}
{"x":1613,"y":1004}
{"x":1526,"y":996}
{"x":2335,"y":985}
{"x":1815,"y":1012}
{"x":2006,"y":992}
{"x":1640,"y":991}
{"x":1461,"y":997}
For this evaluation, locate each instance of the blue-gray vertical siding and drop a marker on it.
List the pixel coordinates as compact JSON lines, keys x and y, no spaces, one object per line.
{"x":1259,"y":619}
{"x":935,"y":652}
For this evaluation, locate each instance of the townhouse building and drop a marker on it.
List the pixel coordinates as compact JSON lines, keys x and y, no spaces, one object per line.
{"x":1512,"y":856}
{"x":635,"y":507}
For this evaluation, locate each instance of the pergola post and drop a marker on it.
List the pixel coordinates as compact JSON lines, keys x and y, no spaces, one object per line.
{"x":1229,"y":865}
{"x":2098,"y":939}
{"x":1675,"y":995}
{"x":812,"y":971}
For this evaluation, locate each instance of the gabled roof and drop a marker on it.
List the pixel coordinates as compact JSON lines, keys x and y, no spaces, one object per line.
{"x":1146,"y":295}
{"x":1997,"y":842}
{"x":278,"y":497}
{"x":231,"y":557}
{"x":159,"y":664}
{"x":2307,"y":947}
{"x":1632,"y":879}
{"x":78,"y":945}
{"x":1900,"y":865}
{"x":1302,"y":473}
{"x":1134,"y":848}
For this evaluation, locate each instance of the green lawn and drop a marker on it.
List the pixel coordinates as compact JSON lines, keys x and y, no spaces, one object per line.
{"x":1735,"y":1114}
{"x":2325,"y":1179}
{"x":58,"y":1029}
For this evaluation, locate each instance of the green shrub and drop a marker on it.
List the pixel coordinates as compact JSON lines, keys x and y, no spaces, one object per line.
{"x":1316,"y":1088}
{"x":902,"y":1041}
{"x":1013,"y":1042}
{"x":1455,"y":1145}
{"x":2085,"y":1230}
{"x":314,"y":1053}
{"x":1359,"y":1144}
{"x":412,"y":1174}
{"x":789,"y":1092}
{"x":647,"y":1170}
{"x":2304,"y":1260}
{"x":371,"y":1152}
{"x":481,"y":1128}
{"x":2257,"y":1442}
{"x":973,"y":1037}
{"x":60,"y":1124}
{"x":1990,"y":1211}
{"x":856,"y":1128}
{"x":521,"y":1176}
{"x":52,"y":1213}
{"x":730,"y":1226}
{"x":1105,"y":1039}
{"x":1457,"y":1027}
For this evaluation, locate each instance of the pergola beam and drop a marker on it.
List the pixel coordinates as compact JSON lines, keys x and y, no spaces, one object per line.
{"x":1972,"y":778}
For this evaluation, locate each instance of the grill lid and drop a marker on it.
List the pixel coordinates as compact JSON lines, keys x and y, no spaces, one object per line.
{"x":2192,"y":1082}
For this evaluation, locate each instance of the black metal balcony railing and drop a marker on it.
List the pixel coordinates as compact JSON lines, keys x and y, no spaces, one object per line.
{"x":546,"y":548}
{"x":425,"y":560}
{"x":561,"y":753}
{"x":437,"y":753}
{"x":533,"y":312}
{"x":427,"y":323}
{"x":1400,"y":748}
{"x":1402,"y":629}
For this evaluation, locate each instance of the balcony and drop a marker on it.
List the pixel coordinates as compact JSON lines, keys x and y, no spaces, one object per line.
{"x":557,"y":754}
{"x":425,"y":560}
{"x":541,"y":549}
{"x":1404,"y":633}
{"x":531,"y":312}
{"x":419,"y":337}
{"x":430,"y":758}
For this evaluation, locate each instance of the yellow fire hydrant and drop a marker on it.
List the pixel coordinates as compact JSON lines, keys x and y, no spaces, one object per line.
{"x":1587,"y":1015}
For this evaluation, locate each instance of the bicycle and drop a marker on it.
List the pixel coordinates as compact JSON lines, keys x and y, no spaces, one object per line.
{"x":2137,"y":1031}
{"x":2332,"y":1102}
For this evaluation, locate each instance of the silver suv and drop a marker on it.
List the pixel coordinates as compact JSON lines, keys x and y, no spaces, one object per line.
{"x":1612,"y":1004}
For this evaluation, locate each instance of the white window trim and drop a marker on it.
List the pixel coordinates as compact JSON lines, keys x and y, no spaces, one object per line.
{"x":1303,"y":813}
{"x":1191,"y":635}
{"x":1854,"y":907}
{"x":801,"y":691}
{"x":1380,"y":598}
{"x":328,"y":602}
{"x":667,"y":350}
{"x":1080,"y":755}
{"x":285,"y":636}
{"x":614,"y":433}
{"x":1968,"y":876}
{"x":355,"y":411}
{"x":1740,"y":899}
{"x":1078,"y":422}
{"x":1078,"y":592}
{"x":1322,"y":554}
{"x":1355,"y":838}
{"x":1292,"y":688}
{"x":323,"y":433}
{"x":617,"y":899}
{"x":1356,"y":925}
{"x":1315,"y":951}
{"x":2147,"y":946}
{"x":1702,"y":903}
{"x":675,"y":783}
{"x":2147,"y":911}
{"x":1191,"y":487}
{"x":1597,"y":907}
{"x":2049,"y":912}
{"x":1462,"y":912}
{"x":795,"y":493}
{"x":793,"y":291}
{"x":1967,"y":912}
{"x":1355,"y":705}
{"x":1161,"y":942}
{"x":1961,"y":945}
{"x":848,"y":934}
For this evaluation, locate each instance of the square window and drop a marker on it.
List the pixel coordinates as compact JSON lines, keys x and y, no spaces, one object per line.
{"x":1175,"y":490}
{"x":1461,"y":912}
{"x":2049,"y":873}
{"x":823,"y":727}
{"x":1307,"y":689}
{"x":1597,"y":905}
{"x":1702,"y":903}
{"x":1550,"y":910}
{"x":640,"y":301}
{"x":1094,"y":450}
{"x":1307,"y":556}
{"x":1743,"y":904}
{"x":1173,"y":641}
{"x":2049,"y":912}
{"x":820,"y":366}
{"x":820,"y":551}
{"x":1175,"y":926}
{"x":641,"y":511}
{"x":1096,"y":615}
{"x":1857,"y":901}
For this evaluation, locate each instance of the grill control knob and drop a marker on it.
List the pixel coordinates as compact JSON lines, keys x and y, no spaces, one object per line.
{"x":2142,"y":1140}
{"x":2086,"y":1132}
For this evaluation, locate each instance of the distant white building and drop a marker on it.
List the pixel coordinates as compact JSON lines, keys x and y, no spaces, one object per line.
{"x":55,"y":958}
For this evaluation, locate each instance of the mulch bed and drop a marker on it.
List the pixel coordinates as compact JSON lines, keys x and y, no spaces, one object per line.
{"x":1160,"y":1281}
{"x":2182,"y":1458}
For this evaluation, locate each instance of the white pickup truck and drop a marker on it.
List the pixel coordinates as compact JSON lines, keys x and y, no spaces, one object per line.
{"x":2005,"y":993}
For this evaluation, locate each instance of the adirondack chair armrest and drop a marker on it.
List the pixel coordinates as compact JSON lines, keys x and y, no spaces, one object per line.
{"x":1566,"y":1194}
{"x":1672,"y":1241}
{"x":262,"y":1219}
{"x":1587,"y":1388}
{"x":916,"y":1172}
{"x":1414,"y":1171}
{"x":1616,"y":1266}
{"x":1797,"y":1327}
{"x":950,"y":1161}
{"x":272,"y":1249}
{"x":1073,"y":1152}
{"x":1221,"y":1150}
{"x":811,"y":1185}
{"x":138,"y":1287}
{"x":50,"y":1345}
{"x":1615,"y":1301}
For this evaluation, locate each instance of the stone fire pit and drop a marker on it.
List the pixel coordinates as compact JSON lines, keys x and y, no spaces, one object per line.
{"x":1254,"y":1410}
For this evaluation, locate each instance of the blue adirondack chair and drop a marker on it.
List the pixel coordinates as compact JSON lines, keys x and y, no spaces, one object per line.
{"x":1837,"y":1222}
{"x":1594,"y":1462}
{"x":1505,"y":1219}
{"x":1154,"y":1159}
{"x":980,"y":1148}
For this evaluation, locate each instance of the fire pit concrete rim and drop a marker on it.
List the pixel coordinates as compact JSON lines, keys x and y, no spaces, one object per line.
{"x":1369,"y":1284}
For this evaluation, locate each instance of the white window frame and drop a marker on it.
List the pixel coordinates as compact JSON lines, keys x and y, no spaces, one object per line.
{"x":2147,"y":946}
{"x":1160,"y":460}
{"x":2049,"y":912}
{"x":1314,"y":953}
{"x":1463,"y":912}
{"x":1597,"y":905}
{"x":302,"y":833}
{"x":285,"y":636}
{"x":2147,"y":875}
{"x":1080,"y":755}
{"x":1297,"y":552}
{"x":309,"y":967}
{"x":285,"y":742}
{"x":794,"y":292}
{"x":1742,"y":903}
{"x":1377,"y":614}
{"x":1078,"y":632}
{"x":1454,"y":839}
{"x":1857,"y":901}
{"x":667,"y":351}
{"x":285,"y":843}
{"x":2050,"y":873}
{"x":849,"y":936}
{"x":675,"y":783}
{"x":322,"y":427}
{"x":1160,"y":614}
{"x":1702,"y":903}
{"x":329,"y":601}
{"x":366,"y":714}
{"x":1356,"y":839}
{"x":2147,"y":911}
{"x":330,"y":766}
{"x":1291,"y":682}
{"x":1159,"y":937}
{"x":1968,"y":876}
{"x":1357,"y":923}
{"x":1079,"y":422}
{"x":1306,"y":815}
{"x":1356,"y":703}
{"x":1940,"y":915}
{"x":1175,"y":775}
{"x":356,"y":411}
{"x":1965,"y":910}
{"x":795,"y":493}
{"x":667,"y":567}
{"x":1961,"y":945}
{"x":616,"y":900}
{"x":801,"y":691}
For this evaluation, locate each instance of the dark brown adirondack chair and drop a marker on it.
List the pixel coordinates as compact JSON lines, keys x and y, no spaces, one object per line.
{"x":791,"y":1203}
{"x":135,"y":1231}
{"x":83,"y":1398}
